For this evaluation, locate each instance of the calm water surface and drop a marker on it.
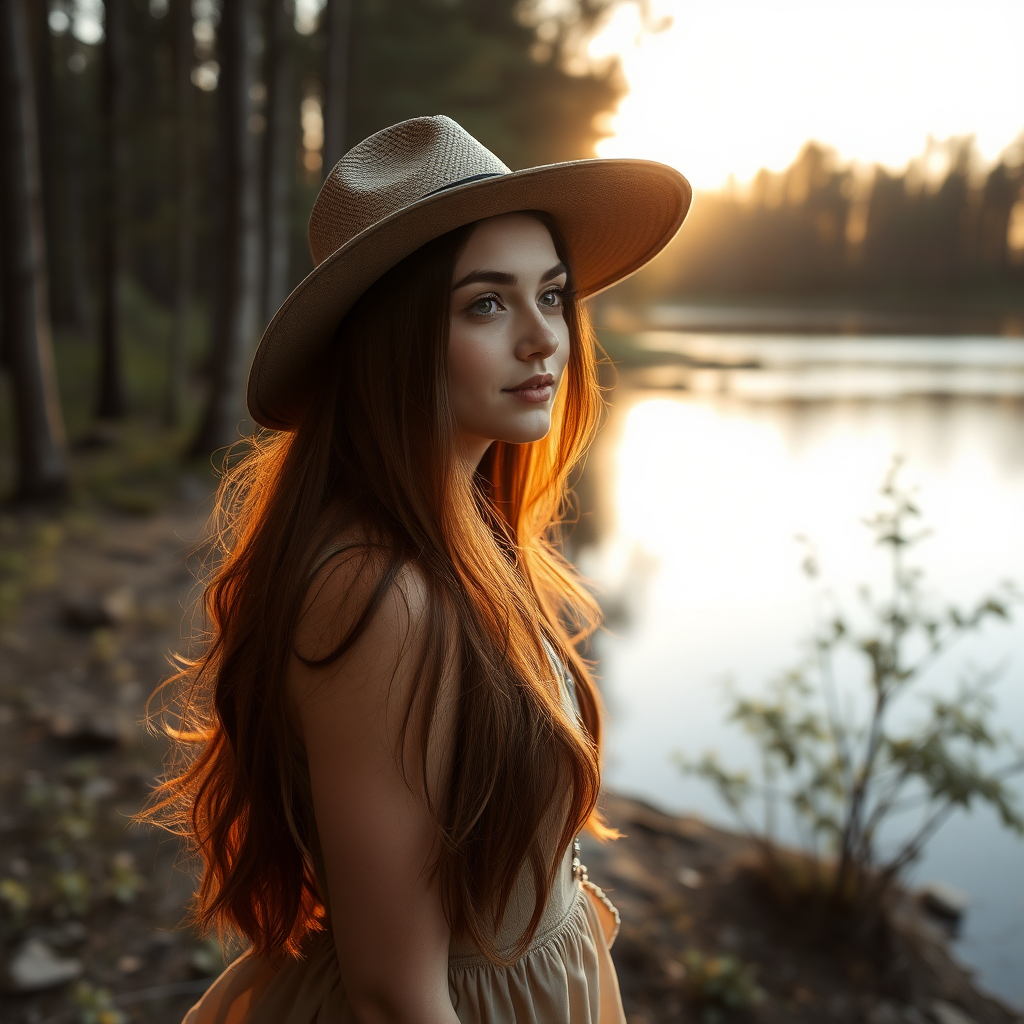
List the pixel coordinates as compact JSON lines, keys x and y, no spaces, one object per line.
{"x":698,"y":485}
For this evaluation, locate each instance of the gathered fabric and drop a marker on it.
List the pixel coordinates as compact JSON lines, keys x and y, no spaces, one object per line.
{"x":566,"y":976}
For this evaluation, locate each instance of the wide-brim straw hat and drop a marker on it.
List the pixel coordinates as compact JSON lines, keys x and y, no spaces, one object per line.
{"x":420,"y":179}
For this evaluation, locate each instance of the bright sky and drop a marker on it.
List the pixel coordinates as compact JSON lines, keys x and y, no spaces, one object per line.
{"x":735,"y":85}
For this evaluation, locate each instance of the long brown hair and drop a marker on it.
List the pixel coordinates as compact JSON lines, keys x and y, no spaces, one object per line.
{"x":375,"y":448}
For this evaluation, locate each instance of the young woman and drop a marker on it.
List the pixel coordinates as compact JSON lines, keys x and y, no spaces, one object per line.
{"x":390,"y":742}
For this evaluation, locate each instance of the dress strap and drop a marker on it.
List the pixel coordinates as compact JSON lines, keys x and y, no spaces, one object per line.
{"x":568,"y":686}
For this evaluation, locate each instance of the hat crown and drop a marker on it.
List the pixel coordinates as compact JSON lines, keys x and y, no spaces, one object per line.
{"x":390,"y":171}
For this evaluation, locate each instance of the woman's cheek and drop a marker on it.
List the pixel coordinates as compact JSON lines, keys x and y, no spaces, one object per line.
{"x":472,"y":367}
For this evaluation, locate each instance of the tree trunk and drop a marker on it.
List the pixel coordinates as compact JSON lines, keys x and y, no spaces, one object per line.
{"x":183,"y":114}
{"x":41,"y":457}
{"x":279,"y":151}
{"x":111,"y":397}
{"x":72,"y":116}
{"x":234,"y":328}
{"x":49,"y":144}
{"x":339,"y":17}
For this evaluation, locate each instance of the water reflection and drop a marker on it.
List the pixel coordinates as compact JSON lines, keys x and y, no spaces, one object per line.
{"x":771,"y":367}
{"x":696,"y":501}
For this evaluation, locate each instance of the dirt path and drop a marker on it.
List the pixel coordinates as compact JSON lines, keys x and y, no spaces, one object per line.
{"x":93,"y":602}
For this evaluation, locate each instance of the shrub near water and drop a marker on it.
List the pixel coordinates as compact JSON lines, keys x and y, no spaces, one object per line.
{"x":842,"y":777}
{"x":718,"y":984}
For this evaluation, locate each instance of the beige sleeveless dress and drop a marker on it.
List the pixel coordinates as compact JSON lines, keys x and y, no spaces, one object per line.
{"x":566,"y":975}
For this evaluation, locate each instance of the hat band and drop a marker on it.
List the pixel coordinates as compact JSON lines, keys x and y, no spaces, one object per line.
{"x":464,"y":181}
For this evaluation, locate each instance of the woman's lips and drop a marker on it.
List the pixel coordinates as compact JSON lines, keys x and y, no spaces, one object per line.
{"x":534,"y":394}
{"x":535,"y":390}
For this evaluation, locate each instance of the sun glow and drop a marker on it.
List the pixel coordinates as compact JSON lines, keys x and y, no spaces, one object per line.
{"x":730,"y":86}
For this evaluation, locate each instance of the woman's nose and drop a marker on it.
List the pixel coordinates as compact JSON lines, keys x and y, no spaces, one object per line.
{"x":536,"y":339}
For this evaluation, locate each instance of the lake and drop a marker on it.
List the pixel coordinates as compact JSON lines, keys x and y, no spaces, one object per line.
{"x":707,"y":469}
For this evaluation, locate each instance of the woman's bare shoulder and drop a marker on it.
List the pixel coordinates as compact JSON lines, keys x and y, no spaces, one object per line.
{"x":356,"y":576}
{"x":368,"y":688}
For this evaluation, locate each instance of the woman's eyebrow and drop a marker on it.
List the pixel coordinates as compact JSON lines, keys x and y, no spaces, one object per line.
{"x":500,"y":277}
{"x":556,"y":271}
{"x":485,"y":277}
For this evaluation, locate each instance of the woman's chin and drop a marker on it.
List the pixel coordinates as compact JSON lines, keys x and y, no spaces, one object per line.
{"x":523,"y":430}
{"x":527,"y":433}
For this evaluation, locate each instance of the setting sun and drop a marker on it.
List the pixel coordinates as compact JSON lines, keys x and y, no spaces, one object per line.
{"x":729,"y":86}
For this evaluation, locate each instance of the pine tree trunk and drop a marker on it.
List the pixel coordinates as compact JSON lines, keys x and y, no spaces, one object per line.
{"x":49,"y":144}
{"x":183,"y":115}
{"x":279,"y":152}
{"x":111,"y":402}
{"x":339,"y":17}
{"x":41,"y":457}
{"x":234,"y":328}
{"x":72,"y":115}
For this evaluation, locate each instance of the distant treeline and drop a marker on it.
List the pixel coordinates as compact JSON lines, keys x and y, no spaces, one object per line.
{"x":169,"y":152}
{"x":819,"y":227}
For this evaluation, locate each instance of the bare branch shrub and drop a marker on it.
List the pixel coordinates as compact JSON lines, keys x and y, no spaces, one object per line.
{"x":843,"y":774}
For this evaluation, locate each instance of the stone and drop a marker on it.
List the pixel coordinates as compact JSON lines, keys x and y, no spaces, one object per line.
{"x":99,"y":788}
{"x":946,"y":1013}
{"x":96,"y":730}
{"x":944,"y":900}
{"x":93,"y":611}
{"x":129,"y":964}
{"x":35,"y":966}
{"x":690,"y":878}
{"x":64,"y":936}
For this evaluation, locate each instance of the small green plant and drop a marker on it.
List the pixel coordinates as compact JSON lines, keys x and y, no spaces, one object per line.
{"x":208,"y":957}
{"x":17,"y":900}
{"x":67,"y":823}
{"x":96,"y":1005}
{"x":842,"y":775}
{"x":74,"y":892}
{"x":718,"y":984}
{"x":125,"y":882}
{"x":28,"y":562}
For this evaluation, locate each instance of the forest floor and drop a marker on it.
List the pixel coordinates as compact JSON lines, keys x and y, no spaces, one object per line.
{"x":92,"y":599}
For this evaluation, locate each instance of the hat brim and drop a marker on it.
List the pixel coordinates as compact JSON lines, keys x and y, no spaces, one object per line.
{"x":616,"y":215}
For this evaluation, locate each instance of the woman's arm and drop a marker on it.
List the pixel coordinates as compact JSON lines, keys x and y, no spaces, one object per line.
{"x":377,"y":837}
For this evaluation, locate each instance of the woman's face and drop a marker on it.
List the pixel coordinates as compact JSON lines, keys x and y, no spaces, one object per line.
{"x":509,"y":341}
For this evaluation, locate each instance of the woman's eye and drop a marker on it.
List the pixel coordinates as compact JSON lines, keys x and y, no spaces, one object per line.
{"x":552,"y":298}
{"x":487,"y":306}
